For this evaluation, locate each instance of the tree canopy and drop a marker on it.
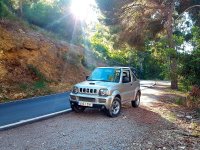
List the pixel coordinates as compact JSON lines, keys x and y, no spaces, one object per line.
{"x":141,"y":21}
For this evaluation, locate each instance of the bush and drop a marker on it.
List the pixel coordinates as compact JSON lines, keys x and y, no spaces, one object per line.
{"x":39,"y":85}
{"x":38,"y":74}
{"x":180,"y":101}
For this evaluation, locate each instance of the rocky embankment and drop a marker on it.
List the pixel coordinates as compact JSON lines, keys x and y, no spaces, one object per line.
{"x":30,"y":62}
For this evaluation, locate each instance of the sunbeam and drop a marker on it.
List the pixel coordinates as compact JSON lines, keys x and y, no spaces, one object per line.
{"x":84,"y":10}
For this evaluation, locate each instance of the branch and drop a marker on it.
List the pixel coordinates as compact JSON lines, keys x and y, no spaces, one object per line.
{"x":186,"y":11}
{"x":131,"y":6}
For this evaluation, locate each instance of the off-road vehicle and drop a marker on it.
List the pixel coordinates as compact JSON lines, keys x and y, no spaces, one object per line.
{"x":107,"y":88}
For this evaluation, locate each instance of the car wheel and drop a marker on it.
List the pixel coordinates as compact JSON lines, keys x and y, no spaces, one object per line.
{"x":136,"y":102}
{"x":78,"y":108}
{"x":115,"y":108}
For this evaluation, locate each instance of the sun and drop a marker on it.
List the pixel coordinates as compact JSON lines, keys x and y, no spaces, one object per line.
{"x":83,"y":9}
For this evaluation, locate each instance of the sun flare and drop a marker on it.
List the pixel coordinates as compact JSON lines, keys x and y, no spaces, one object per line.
{"x":83,"y":9}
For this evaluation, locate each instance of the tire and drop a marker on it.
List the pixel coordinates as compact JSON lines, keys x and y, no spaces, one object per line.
{"x":136,"y":102}
{"x":77,"y":108}
{"x":115,"y":108}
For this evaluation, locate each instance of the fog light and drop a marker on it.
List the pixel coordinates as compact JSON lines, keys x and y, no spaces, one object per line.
{"x":103,"y":107}
{"x":73,"y":97}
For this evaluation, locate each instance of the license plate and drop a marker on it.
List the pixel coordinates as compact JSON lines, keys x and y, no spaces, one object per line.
{"x":85,"y":104}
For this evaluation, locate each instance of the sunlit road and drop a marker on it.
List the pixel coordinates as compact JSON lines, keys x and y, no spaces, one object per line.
{"x":149,"y":94}
{"x":146,"y":83}
{"x":29,"y":110}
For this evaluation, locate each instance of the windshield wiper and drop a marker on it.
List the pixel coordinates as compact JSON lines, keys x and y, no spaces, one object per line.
{"x":100,"y":80}
{"x":104,"y":80}
{"x":92,"y":80}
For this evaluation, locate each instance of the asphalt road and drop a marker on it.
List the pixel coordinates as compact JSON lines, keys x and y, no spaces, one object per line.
{"x":36,"y":108}
{"x":27,"y":110}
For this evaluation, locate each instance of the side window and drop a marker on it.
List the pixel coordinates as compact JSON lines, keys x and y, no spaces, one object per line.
{"x":126,"y":76}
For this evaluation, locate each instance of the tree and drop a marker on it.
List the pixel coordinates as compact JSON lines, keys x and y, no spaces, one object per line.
{"x":143,"y":20}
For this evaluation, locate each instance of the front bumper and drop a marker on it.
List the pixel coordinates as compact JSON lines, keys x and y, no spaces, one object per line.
{"x":96,"y":100}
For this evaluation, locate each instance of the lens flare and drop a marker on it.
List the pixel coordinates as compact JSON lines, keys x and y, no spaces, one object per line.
{"x":83,"y":9}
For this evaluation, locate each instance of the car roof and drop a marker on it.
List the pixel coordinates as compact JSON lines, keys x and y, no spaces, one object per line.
{"x":117,"y":67}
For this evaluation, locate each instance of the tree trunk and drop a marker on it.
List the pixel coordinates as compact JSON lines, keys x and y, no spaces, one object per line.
{"x":173,"y":54}
{"x":21,"y":8}
{"x":173,"y":73}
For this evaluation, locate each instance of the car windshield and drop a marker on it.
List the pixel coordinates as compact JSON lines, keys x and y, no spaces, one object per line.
{"x":105,"y":74}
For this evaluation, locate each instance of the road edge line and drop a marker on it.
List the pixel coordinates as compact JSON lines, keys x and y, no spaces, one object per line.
{"x":33,"y":98}
{"x":33,"y":119}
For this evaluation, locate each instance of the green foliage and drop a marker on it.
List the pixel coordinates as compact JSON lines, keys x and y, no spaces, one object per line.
{"x":152,"y":68}
{"x":33,"y":69}
{"x":151,"y":63}
{"x":184,"y":85}
{"x":41,"y":82}
{"x":190,"y":68}
{"x":53,"y":16}
{"x":23,"y":86}
{"x":4,"y":11}
{"x":39,"y":13}
{"x":50,"y":17}
{"x":190,"y":62}
{"x":179,"y":101}
{"x":39,"y":85}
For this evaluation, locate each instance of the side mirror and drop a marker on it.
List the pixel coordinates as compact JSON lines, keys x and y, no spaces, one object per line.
{"x":86,"y":77}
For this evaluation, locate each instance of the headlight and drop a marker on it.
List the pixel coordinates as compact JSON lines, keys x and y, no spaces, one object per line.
{"x":75,"y":90}
{"x":103,"y":92}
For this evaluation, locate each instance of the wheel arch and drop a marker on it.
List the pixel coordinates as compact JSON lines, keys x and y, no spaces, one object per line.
{"x":118,"y":96}
{"x":139,"y":91}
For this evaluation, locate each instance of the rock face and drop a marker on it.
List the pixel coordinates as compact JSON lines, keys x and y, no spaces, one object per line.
{"x":24,"y":53}
{"x":31,"y":44}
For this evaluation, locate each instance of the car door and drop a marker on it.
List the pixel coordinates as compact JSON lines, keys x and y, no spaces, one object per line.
{"x":126,"y":86}
{"x":135,"y":85}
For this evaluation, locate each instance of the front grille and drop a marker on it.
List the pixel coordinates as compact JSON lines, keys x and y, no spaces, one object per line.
{"x":88,"y":91}
{"x":86,"y":99}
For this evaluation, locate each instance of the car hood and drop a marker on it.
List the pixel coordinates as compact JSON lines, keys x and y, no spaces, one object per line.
{"x":96,"y":84}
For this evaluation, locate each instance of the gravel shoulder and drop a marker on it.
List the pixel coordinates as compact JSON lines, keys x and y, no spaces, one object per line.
{"x":135,"y":128}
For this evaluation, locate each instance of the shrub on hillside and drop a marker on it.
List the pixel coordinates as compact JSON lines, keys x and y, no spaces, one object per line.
{"x":193,"y":99}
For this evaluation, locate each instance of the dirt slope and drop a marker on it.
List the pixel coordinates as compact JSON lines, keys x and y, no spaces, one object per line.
{"x":31,"y":62}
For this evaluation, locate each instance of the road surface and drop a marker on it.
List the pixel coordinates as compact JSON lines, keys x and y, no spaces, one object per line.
{"x":32,"y":109}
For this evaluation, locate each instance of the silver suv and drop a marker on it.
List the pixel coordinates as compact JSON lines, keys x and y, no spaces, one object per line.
{"x":107,"y":88}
